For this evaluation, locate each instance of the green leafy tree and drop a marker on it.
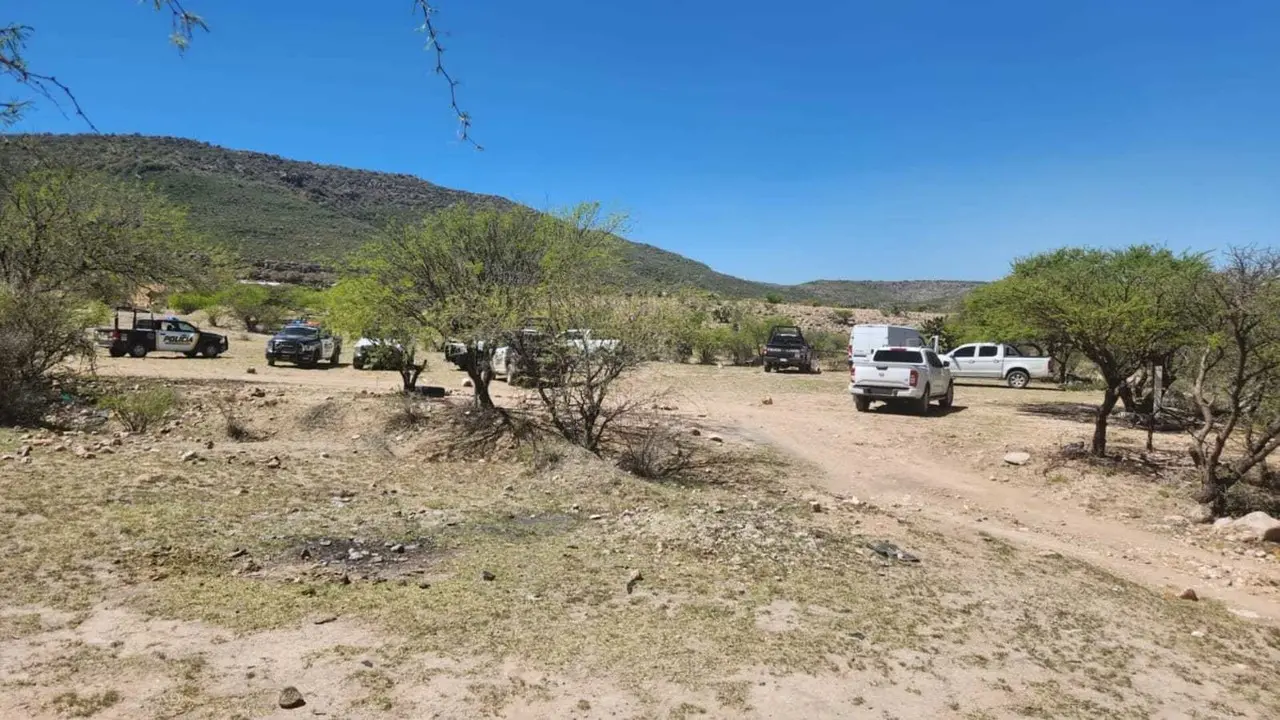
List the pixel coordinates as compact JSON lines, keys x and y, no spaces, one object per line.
{"x":481,"y":274}
{"x":361,"y":307}
{"x":944,"y":329}
{"x":1120,"y":308}
{"x":69,"y":243}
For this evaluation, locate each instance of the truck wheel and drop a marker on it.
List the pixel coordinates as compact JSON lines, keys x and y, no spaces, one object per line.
{"x":1018,"y":379}
{"x":922,"y":405}
{"x":862,"y":403}
{"x":337,"y":355}
{"x":768,"y":367}
{"x":271,"y":362}
{"x":949,"y":399}
{"x":211,"y":350}
{"x":114,"y":351}
{"x":357,"y":363}
{"x":138,"y":350}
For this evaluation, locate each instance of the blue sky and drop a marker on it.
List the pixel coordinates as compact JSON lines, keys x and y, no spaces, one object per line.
{"x":774,"y":141}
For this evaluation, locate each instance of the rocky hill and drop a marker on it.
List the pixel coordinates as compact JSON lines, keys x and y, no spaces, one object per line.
{"x":295,"y":219}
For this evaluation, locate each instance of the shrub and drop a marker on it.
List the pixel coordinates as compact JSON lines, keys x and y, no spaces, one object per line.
{"x":654,"y":452}
{"x":842,"y":315}
{"x":773,"y":298}
{"x":189,"y":302}
{"x":141,"y":410}
{"x":37,"y":334}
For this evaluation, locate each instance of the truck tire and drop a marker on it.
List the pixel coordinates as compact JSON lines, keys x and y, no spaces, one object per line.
{"x":211,"y":350}
{"x":922,"y":405}
{"x":337,"y":355}
{"x":114,"y":351}
{"x":138,"y":350}
{"x":1018,"y":379}
{"x":861,"y":403}
{"x":949,"y":399}
{"x":357,"y":362}
{"x":768,"y":367}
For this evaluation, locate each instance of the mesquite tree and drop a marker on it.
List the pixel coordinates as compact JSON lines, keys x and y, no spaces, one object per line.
{"x":1237,"y":372}
{"x":1121,"y":309}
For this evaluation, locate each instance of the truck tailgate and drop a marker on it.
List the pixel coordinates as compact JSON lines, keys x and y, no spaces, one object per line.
{"x":890,"y":376}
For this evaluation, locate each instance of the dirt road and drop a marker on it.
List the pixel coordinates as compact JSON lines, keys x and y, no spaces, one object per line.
{"x":949,"y":468}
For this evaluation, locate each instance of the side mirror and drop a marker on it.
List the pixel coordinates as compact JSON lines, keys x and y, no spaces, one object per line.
{"x":946,"y":363}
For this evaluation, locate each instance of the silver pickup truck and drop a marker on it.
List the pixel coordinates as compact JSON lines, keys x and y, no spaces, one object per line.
{"x":999,"y":362}
{"x":908,"y":376}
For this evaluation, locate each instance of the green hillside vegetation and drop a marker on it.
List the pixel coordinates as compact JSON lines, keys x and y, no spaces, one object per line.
{"x":277,"y":212}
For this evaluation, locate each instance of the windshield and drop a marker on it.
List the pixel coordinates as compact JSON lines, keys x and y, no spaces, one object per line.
{"x":898,"y":356}
{"x":301,"y":333}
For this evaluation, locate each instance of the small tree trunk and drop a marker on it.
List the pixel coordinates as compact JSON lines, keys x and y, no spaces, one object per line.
{"x":1109,"y":398}
{"x":1213,"y":489}
{"x":481,"y":375}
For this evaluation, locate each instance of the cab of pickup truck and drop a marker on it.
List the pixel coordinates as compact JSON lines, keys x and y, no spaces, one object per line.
{"x":999,"y":361}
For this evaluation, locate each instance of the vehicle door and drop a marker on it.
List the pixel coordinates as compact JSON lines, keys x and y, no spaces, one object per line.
{"x":964,"y":361}
{"x":989,"y":363}
{"x":176,"y":336}
{"x":937,"y":373}
{"x":326,"y":345}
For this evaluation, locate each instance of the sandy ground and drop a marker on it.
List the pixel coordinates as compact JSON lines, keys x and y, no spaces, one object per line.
{"x":1031,"y":564}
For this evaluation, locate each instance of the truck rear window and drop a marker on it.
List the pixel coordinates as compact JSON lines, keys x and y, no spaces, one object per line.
{"x":898,"y":356}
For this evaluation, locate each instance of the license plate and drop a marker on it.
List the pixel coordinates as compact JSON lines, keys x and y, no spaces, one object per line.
{"x":879,"y":391}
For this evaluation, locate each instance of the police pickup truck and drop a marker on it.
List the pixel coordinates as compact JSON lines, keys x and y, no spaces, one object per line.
{"x":151,"y":334}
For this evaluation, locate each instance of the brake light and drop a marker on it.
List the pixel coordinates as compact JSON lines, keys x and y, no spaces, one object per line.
{"x":115,"y":335}
{"x":850,"y":351}
{"x":915,"y":379}
{"x":853,"y":372}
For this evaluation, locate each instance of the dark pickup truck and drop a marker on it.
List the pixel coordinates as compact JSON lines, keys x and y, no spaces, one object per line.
{"x":151,"y":334}
{"x":787,"y":348}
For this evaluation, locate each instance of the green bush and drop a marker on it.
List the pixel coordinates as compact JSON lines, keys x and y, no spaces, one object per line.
{"x":141,"y":410}
{"x":188,"y":302}
{"x":842,"y":315}
{"x":773,"y":298}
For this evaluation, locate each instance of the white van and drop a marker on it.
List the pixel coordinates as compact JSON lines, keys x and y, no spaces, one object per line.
{"x":865,"y":339}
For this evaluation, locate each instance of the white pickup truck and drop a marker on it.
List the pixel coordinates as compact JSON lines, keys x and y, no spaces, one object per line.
{"x":909,"y":376}
{"x":999,"y":362}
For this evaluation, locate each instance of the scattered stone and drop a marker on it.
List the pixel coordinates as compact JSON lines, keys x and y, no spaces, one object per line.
{"x":695,"y":432}
{"x":258,"y":393}
{"x":635,"y":577}
{"x":1017,"y":458}
{"x":24,"y":461}
{"x":715,"y":438}
{"x":208,"y":444}
{"x":852,"y":500}
{"x":1189,"y":594}
{"x":1175,"y":520}
{"x":466,"y":383}
{"x":237,"y":553}
{"x":251,"y":371}
{"x":344,"y":579}
{"x":5,"y":458}
{"x":1200,"y":514}
{"x":190,"y":456}
{"x":815,"y":506}
{"x":424,"y":585}
{"x":324,"y":455}
{"x":24,"y":451}
{"x":488,"y":576}
{"x":367,"y":663}
{"x":291,"y":699}
{"x":1049,"y":554}
{"x":1259,"y":525}
{"x":397,"y":548}
{"x":767,"y":401}
{"x":595,"y":517}
{"x":274,"y":462}
{"x":1197,"y":633}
